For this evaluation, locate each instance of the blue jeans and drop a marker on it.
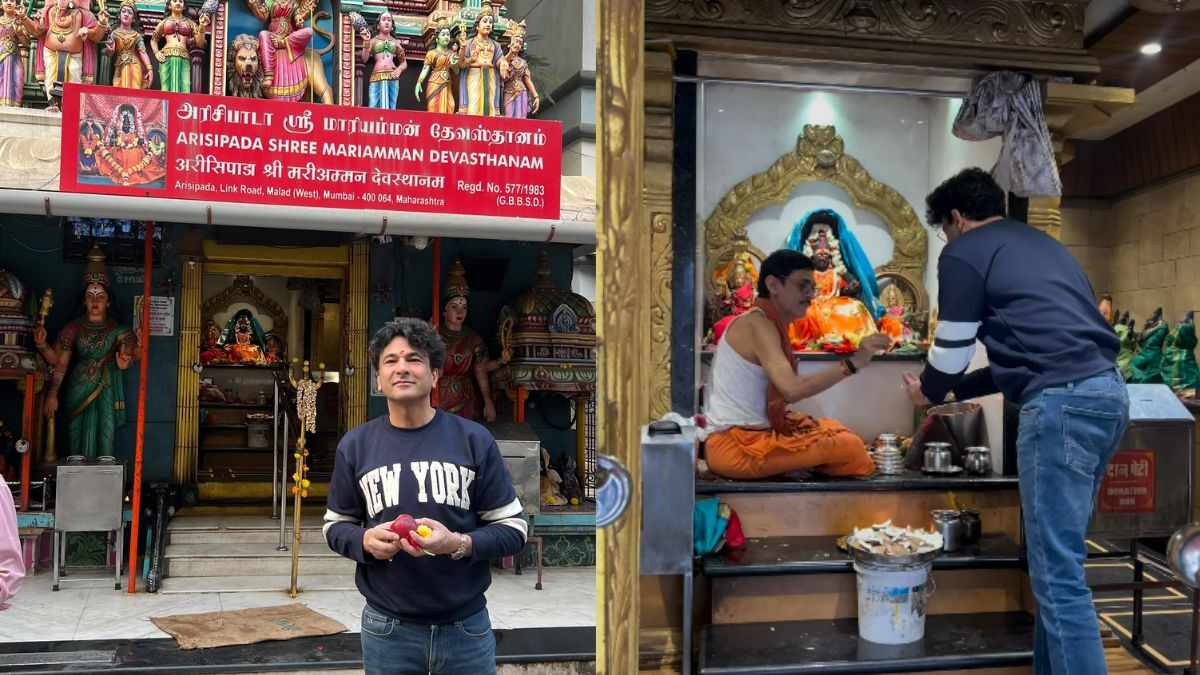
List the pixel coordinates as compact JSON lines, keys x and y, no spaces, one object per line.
{"x":391,"y":647}
{"x":1066,"y":436}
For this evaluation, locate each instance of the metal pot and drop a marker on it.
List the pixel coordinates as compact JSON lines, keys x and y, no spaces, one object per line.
{"x":972,"y":526}
{"x":949,"y":524}
{"x":1183,"y":554}
{"x":978,"y":461}
{"x":938,"y":457}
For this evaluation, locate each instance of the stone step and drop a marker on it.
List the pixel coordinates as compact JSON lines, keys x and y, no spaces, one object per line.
{"x":820,"y":555}
{"x":999,"y":641}
{"x":213,"y":560}
{"x":241,"y":529}
{"x":251,"y":584}
{"x":802,"y":597}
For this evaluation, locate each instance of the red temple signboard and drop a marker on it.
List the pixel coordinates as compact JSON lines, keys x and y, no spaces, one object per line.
{"x":1128,"y":485}
{"x":218,"y":148}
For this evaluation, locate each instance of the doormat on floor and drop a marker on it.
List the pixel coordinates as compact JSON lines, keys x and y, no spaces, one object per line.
{"x":246,"y":626}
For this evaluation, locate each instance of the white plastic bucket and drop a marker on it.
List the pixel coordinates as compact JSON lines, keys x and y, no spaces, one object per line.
{"x":892,"y":603}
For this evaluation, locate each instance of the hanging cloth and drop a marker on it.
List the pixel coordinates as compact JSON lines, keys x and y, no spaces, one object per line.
{"x":1009,"y":104}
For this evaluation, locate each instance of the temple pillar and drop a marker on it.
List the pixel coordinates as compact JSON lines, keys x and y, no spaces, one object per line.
{"x":656,"y":192}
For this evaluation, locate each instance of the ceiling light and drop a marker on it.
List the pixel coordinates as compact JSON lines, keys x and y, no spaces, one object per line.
{"x":1151,"y":48}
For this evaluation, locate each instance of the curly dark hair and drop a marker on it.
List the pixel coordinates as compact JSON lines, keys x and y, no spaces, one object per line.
{"x":973,"y":192}
{"x":420,"y":336}
{"x":780,"y":265}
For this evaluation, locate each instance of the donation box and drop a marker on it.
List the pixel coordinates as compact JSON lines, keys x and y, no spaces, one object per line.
{"x":1147,"y":486}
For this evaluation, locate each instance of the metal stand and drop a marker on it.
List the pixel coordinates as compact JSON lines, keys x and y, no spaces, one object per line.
{"x":59,"y":554}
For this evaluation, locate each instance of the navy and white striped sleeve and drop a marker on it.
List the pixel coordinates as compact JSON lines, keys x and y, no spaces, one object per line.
{"x":504,"y":529}
{"x":960,"y":314}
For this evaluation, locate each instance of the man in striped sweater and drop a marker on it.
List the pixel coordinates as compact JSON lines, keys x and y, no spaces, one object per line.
{"x":1025,"y":297}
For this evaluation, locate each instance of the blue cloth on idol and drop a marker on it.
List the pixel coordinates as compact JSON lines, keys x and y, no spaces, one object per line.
{"x":852,"y":255}
{"x":708,"y":526}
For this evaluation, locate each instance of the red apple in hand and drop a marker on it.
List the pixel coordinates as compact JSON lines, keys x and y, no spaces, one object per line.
{"x":405,"y":526}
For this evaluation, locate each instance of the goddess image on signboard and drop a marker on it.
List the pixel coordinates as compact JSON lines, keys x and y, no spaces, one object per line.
{"x":130,"y":150}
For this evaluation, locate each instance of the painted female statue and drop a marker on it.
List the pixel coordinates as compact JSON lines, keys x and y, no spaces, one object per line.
{"x":384,"y":56}
{"x":68,"y":34}
{"x":179,"y":34}
{"x":243,"y":339}
{"x":1179,"y":368}
{"x":284,"y":46}
{"x":15,"y":29}
{"x":211,"y":350}
{"x":95,"y":390}
{"x":131,"y":63}
{"x":124,"y":157}
{"x":1146,"y":366}
{"x":463,"y":387}
{"x":845,"y":308}
{"x":441,"y":63}
{"x":520,"y":96}
{"x":486,"y":69}
{"x":737,"y":280}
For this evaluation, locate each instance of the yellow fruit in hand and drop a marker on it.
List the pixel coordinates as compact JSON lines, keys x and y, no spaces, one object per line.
{"x":424,"y":530}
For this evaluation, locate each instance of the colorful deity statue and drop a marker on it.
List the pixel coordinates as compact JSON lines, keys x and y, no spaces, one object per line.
{"x":1179,"y":368}
{"x":736,"y":283}
{"x":384,"y":56}
{"x":124,"y":156}
{"x":1146,"y":365}
{"x":463,"y":386}
{"x":441,"y":64}
{"x":845,"y":308}
{"x":68,"y":35}
{"x":131,"y":62}
{"x":243,"y":69}
{"x":211,"y":350}
{"x":291,"y":69}
{"x":520,"y":96}
{"x":100,"y":349}
{"x":179,"y":34}
{"x":243,"y":339}
{"x":1127,"y":334}
{"x":15,"y":30}
{"x":486,"y":69}
{"x":895,"y":318}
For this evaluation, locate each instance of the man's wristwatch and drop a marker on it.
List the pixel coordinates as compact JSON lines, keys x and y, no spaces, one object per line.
{"x":848,"y":367}
{"x":461,"y":551}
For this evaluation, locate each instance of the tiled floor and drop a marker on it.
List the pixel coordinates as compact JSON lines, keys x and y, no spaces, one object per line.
{"x":93,"y":611}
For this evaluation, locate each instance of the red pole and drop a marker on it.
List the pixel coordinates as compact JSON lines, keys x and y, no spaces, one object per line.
{"x":143,"y":365}
{"x":27,"y":434}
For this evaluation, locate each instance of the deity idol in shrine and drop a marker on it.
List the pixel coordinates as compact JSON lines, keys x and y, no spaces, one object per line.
{"x":100,"y":349}
{"x":893,"y":322}
{"x":1146,"y":366}
{"x":15,"y":30}
{"x":463,"y":387}
{"x":520,"y":96}
{"x":384,"y":56}
{"x":131,"y":62}
{"x":179,"y":34}
{"x":1179,"y":369}
{"x":124,"y":155}
{"x":486,"y":69}
{"x":738,"y":281}
{"x":68,"y":35}
{"x":243,"y":339}
{"x":441,"y":63}
{"x":845,"y":308}
{"x":211,"y":350}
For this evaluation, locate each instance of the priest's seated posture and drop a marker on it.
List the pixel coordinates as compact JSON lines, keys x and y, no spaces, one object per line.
{"x":751,"y":434}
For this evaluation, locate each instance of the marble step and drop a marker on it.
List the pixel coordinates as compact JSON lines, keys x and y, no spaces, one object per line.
{"x":820,"y":555}
{"x":250,"y":584}
{"x":212,"y":560}
{"x":999,"y":640}
{"x":240,"y":529}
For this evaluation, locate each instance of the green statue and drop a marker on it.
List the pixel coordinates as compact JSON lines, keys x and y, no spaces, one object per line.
{"x":1179,"y":368}
{"x":1146,"y":366}
{"x":101,"y":348}
{"x":1128,"y":337}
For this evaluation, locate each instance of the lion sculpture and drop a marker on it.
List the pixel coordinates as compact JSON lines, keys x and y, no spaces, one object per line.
{"x":244,"y":73}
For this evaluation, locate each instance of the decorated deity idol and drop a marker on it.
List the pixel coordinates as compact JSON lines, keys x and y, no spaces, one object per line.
{"x":68,"y":34}
{"x":441,"y":64}
{"x":737,"y":281}
{"x":178,"y":33}
{"x":131,"y":62}
{"x":243,"y":339}
{"x":1146,"y":366}
{"x":384,"y":56}
{"x":276,"y":353}
{"x":15,"y":30}
{"x":463,"y":387}
{"x":520,"y":96}
{"x":1127,"y":334}
{"x":894,"y":322}
{"x":291,"y":69}
{"x":124,"y":156}
{"x":243,"y":70}
{"x":100,"y":349}
{"x":486,"y":69}
{"x":1179,"y":368}
{"x":845,"y":308}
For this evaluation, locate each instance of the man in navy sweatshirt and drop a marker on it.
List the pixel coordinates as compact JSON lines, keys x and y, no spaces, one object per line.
{"x":425,"y":613}
{"x":1049,"y":349}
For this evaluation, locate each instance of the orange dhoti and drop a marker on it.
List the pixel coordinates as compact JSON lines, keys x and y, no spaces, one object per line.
{"x":824,"y":446}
